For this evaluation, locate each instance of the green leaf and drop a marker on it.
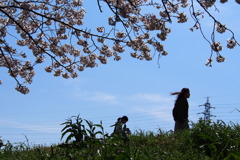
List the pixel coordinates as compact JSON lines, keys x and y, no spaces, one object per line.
{"x":69,"y":138}
{"x":65,"y":127}
{"x":236,"y":155}
{"x":204,"y":136}
{"x":98,"y":125}
{"x":67,"y":131}
{"x":122,"y":156}
{"x":90,"y":124}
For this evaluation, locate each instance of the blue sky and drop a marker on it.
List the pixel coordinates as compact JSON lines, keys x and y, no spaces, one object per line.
{"x":139,"y":89}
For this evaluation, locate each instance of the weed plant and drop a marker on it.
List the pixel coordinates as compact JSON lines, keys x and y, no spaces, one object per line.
{"x":204,"y":141}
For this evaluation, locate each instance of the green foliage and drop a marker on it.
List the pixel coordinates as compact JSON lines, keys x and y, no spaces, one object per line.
{"x":204,"y":141}
{"x":217,"y":140}
{"x":74,"y":130}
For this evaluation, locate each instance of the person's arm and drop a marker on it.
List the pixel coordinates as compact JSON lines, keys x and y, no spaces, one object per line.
{"x":118,"y":128}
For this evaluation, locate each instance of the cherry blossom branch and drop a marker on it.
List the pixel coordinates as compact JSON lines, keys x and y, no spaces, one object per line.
{"x":29,"y":35}
{"x":168,"y":15}
{"x":99,"y":6}
{"x":10,"y":69}
{"x":198,"y":24}
{"x":56,"y":20}
{"x":216,"y":21}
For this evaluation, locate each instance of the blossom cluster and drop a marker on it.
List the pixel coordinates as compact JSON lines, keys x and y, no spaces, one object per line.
{"x":54,"y":34}
{"x":220,"y":28}
{"x":207,"y":3}
{"x":216,"y":46}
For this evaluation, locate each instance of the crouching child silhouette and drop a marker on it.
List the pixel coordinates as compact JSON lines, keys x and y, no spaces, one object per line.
{"x":120,"y":128}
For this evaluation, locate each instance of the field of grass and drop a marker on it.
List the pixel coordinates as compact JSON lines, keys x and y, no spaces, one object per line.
{"x":204,"y":141}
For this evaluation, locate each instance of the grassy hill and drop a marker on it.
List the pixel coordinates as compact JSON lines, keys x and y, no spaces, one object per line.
{"x":204,"y":141}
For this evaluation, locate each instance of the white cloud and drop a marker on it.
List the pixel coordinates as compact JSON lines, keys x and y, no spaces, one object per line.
{"x":165,"y":115}
{"x":80,"y":92}
{"x":160,"y":112}
{"x":31,"y":127}
{"x":148,"y":97}
{"x":156,"y":106}
{"x":97,"y":97}
{"x":101,"y":96}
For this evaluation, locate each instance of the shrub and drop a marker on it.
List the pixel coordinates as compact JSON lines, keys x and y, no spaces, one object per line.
{"x":217,"y":139}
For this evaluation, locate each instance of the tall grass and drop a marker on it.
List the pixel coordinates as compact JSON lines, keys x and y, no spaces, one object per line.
{"x":204,"y":141}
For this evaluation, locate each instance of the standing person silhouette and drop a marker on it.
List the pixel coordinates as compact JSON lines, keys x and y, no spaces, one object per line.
{"x":180,"y":110}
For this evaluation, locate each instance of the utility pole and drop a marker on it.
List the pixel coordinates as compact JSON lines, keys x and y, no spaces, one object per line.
{"x":207,"y":113}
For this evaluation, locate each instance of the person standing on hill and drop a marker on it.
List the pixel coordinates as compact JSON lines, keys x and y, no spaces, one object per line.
{"x":180,"y":110}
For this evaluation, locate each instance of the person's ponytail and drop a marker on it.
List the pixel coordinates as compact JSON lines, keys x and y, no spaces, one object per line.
{"x":175,"y":93}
